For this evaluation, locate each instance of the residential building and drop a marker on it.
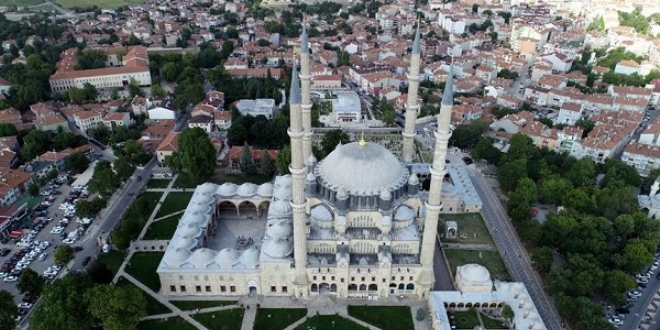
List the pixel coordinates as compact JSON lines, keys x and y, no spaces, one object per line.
{"x":326,"y":81}
{"x":222,"y":120}
{"x":569,"y":113}
{"x":236,"y":153}
{"x":643,"y":157}
{"x":202,"y":121}
{"x":87,"y":119}
{"x":258,"y":107}
{"x":627,"y":67}
{"x":168,"y":146}
{"x":116,"y":119}
{"x":512,"y":123}
{"x":13,"y":185}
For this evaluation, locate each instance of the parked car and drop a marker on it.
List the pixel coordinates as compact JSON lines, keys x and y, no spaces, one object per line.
{"x":86,"y":261}
{"x":4,"y":252}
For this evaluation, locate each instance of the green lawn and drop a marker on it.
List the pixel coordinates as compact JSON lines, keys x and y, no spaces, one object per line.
{"x":143,"y":267}
{"x":154,"y":307}
{"x":175,"y":201}
{"x":162,"y":229}
{"x":490,"y":259}
{"x":175,"y":323}
{"x":464,"y":319}
{"x":158,"y":183}
{"x":277,"y":318}
{"x":384,"y":317}
{"x":492,"y":324}
{"x":329,"y":322}
{"x":469,"y":224}
{"x":107,"y":4}
{"x":240,"y":179}
{"x":230,"y":319}
{"x":187,"y":305}
{"x":20,"y":3}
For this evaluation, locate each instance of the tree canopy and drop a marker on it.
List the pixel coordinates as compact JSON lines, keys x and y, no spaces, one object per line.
{"x":197,"y":154}
{"x":118,"y":307}
{"x":8,"y":310}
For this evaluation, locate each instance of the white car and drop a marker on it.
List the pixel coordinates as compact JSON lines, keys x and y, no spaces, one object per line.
{"x":57,"y":230}
{"x":615,"y":321}
{"x":43,"y":256}
{"x":10,"y":279}
{"x":25,"y":305}
{"x":69,"y":241}
{"x":634,"y":293}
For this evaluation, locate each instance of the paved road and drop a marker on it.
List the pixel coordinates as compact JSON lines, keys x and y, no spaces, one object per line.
{"x":638,"y":310}
{"x":514,"y":255}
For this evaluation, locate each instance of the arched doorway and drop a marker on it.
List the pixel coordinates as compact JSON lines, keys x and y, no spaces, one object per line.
{"x":247,"y":209}
{"x":315,"y":287}
{"x":324,"y":288}
{"x":253,"y":287}
{"x":333,"y":288}
{"x":373,"y":287}
{"x":263,"y":208}
{"x":392,"y":288}
{"x":227,"y":209}
{"x":352,"y":287}
{"x":363,"y":287}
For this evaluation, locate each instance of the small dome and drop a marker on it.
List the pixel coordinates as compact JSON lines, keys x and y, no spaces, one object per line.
{"x":283,"y":192}
{"x":200,"y":208}
{"x":342,"y":193}
{"x":202,"y":257}
{"x":195,"y":218}
{"x":284,"y":181}
{"x":250,"y":257}
{"x":280,"y":208}
{"x":279,"y":229}
{"x":202,"y":199}
{"x":177,"y":256}
{"x":448,"y":189}
{"x":311,"y":176}
{"x":247,"y":190}
{"x":311,"y":159}
{"x":189,"y":230}
{"x":321,"y":213}
{"x":474,"y":274}
{"x":413,"y":179}
{"x":385,"y":194}
{"x":403,"y":213}
{"x":277,"y":248}
{"x":265,"y":190}
{"x":227,"y":257}
{"x":207,"y":188}
{"x":186,"y":243}
{"x":227,"y":189}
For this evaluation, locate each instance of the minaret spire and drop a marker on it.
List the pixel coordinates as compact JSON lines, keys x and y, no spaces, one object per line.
{"x":438,"y":170}
{"x":412,"y":104}
{"x":298,"y":201}
{"x":305,"y":80}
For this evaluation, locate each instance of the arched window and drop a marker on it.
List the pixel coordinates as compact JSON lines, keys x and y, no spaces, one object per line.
{"x":315,"y":288}
{"x":410,"y":286}
{"x":363,"y":287}
{"x":402,"y":286}
{"x":373,"y":287}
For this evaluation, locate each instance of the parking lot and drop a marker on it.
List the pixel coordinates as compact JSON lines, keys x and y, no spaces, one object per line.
{"x":35,"y":248}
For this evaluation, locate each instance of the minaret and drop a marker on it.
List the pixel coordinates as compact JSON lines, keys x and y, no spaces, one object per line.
{"x":412,"y":106}
{"x":298,"y":202}
{"x":306,"y":104}
{"x":438,"y":170}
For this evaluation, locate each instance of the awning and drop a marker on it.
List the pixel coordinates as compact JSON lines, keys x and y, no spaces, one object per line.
{"x":15,"y":234}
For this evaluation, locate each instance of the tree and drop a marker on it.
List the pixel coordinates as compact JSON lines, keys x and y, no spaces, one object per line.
{"x":198,"y":157}
{"x":247,"y":163}
{"x":542,"y":258}
{"x":34,"y":144}
{"x":634,"y":257}
{"x":76,"y":95}
{"x":90,"y":208}
{"x":617,"y":283}
{"x":8,"y":310}
{"x":511,"y":173}
{"x":134,"y":88}
{"x":104,"y":180}
{"x":173,"y":161}
{"x":91,"y":94}
{"x":522,"y":147}
{"x":33,"y":189}
{"x":64,"y":254}
{"x":119,"y":307}
{"x":61,"y":305}
{"x":267,"y":164}
{"x":331,"y":139}
{"x":76,"y":163}
{"x":467,"y":136}
{"x":554,"y":189}
{"x":8,"y":129}
{"x":123,"y":168}
{"x":30,"y":282}
{"x":283,"y":160}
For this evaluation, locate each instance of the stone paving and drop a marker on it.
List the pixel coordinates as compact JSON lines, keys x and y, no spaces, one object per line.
{"x":319,"y":305}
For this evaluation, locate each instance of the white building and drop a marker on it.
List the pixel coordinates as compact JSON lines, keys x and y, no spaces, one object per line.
{"x":87,"y":119}
{"x":569,"y":113}
{"x":477,"y":290}
{"x":258,"y":107}
{"x":346,"y":107}
{"x":116,"y":119}
{"x":202,"y":121}
{"x":643,"y":157}
{"x":135,"y":67}
{"x":161,"y":113}
{"x":627,"y":67}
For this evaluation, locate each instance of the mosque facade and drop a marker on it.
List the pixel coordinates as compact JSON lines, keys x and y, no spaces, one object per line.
{"x":351,"y":225}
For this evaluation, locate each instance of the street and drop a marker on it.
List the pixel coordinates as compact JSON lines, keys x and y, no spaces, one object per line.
{"x":515,"y":257}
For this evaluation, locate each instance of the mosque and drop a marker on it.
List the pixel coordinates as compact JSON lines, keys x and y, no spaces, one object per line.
{"x":354,"y":224}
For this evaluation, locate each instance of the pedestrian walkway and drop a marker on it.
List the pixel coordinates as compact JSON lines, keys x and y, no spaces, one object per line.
{"x":248,"y":318}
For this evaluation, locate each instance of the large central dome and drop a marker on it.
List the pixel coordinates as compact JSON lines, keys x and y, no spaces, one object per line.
{"x":362,"y":168}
